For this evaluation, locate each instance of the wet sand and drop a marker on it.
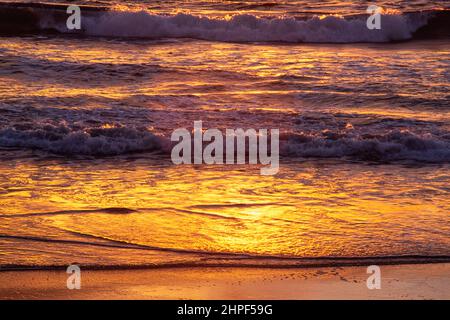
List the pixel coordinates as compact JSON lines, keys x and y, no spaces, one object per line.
{"x":426,"y":281}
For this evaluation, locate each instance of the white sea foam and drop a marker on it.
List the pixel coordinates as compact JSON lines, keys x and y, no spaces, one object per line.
{"x":392,"y":146}
{"x":249,"y":28}
{"x":318,"y":136}
{"x":367,"y":137}
{"x":61,"y":139}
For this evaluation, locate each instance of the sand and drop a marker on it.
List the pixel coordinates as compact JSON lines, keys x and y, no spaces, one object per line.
{"x":430,"y":281}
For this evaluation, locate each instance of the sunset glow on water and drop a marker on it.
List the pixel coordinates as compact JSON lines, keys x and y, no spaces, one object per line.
{"x":86,"y":120}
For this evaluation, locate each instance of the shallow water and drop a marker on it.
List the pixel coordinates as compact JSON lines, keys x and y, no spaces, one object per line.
{"x":149,"y":213}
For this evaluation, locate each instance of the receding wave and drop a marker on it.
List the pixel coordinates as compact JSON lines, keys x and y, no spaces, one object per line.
{"x":275,"y":263}
{"x":54,"y":213}
{"x":101,"y":21}
{"x":200,"y":258}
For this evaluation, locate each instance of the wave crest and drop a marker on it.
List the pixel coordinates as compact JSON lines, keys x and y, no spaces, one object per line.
{"x":113,"y":22}
{"x":249,"y":28}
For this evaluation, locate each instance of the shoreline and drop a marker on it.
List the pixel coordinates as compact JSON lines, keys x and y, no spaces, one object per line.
{"x":295,"y":263}
{"x":416,"y":281}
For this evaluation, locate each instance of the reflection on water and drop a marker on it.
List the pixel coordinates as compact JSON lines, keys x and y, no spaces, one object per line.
{"x":321,"y":209}
{"x":364,"y":141}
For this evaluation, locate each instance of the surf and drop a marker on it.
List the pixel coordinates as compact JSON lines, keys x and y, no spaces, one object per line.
{"x":99,"y":21}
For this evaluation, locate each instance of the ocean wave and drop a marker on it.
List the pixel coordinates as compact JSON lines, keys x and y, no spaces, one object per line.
{"x":367,"y":138}
{"x":357,"y":137}
{"x":397,"y":145}
{"x":41,"y":68}
{"x":238,"y":28}
{"x":70,"y":140}
{"x":249,"y":28}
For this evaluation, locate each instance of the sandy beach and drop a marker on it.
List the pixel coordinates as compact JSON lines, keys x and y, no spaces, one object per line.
{"x":398,"y":282}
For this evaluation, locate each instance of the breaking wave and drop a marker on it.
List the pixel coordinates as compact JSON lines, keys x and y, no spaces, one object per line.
{"x":66,"y":140}
{"x":238,"y":28}
{"x":248,"y":28}
{"x":312,"y":135}
{"x":367,"y":138}
{"x":396,"y":145}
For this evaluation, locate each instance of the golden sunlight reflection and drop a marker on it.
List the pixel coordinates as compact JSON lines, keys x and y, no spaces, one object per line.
{"x":314,"y":211}
{"x":281,"y":77}
{"x":79,"y":180}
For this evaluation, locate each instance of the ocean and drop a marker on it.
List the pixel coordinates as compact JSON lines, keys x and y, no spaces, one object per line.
{"x":86,"y":118}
